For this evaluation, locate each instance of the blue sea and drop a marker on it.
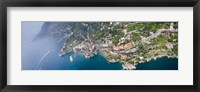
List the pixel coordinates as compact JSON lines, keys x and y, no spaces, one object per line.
{"x":163,"y":63}
{"x":43,"y":55}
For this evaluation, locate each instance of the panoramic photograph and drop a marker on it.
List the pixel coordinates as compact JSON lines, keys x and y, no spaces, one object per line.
{"x":99,"y":45}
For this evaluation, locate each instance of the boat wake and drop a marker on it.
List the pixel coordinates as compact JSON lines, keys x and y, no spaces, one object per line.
{"x":43,"y":58}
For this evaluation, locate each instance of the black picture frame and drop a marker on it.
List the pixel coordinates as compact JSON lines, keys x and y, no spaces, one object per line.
{"x":100,"y":3}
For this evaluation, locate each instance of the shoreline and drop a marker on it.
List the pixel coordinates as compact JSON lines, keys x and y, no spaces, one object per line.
{"x":126,"y":66}
{"x":133,"y":66}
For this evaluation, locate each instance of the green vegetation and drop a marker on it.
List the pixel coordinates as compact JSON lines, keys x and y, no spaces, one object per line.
{"x":115,"y":39}
{"x":97,"y":33}
{"x":175,"y":50}
{"x":135,"y":37}
{"x":147,"y":27}
{"x":161,"y":40}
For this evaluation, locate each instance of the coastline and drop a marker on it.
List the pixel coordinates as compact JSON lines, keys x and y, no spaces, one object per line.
{"x":128,"y":66}
{"x":133,"y":66}
{"x":163,"y":63}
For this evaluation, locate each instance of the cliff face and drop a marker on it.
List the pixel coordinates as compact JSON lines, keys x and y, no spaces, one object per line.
{"x":54,"y":29}
{"x":69,"y":33}
{"x":60,"y":29}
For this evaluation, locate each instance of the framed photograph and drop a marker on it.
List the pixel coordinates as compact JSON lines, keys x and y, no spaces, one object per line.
{"x":87,"y":45}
